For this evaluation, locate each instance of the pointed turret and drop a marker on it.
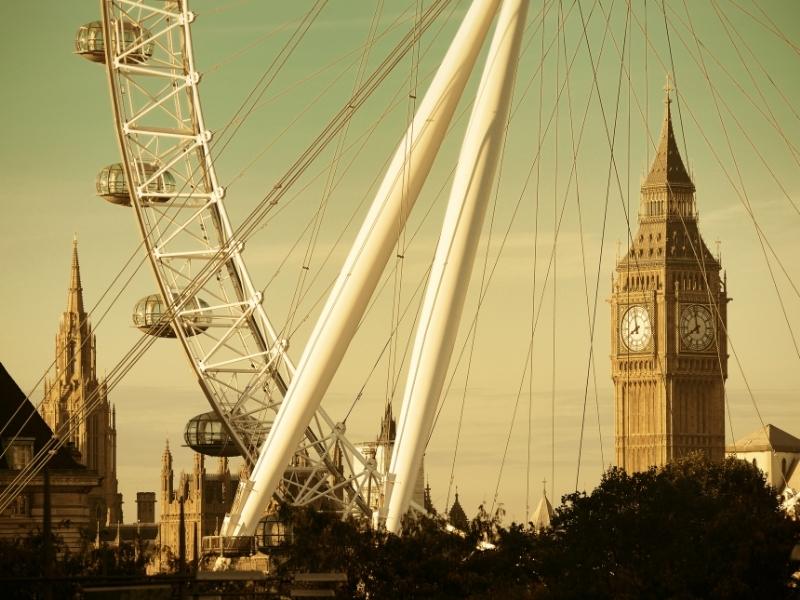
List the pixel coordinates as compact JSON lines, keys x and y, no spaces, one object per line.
{"x":75,"y":298}
{"x":667,"y":169}
{"x":388,"y":425}
{"x":427,"y":500}
{"x":543,"y":513}
{"x":456,"y":515}
{"x":167,"y":475}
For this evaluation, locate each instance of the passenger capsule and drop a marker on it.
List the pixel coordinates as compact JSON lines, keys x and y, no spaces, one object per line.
{"x":149,"y":312}
{"x":90,"y":42}
{"x":206,"y":434}
{"x":111,"y":184}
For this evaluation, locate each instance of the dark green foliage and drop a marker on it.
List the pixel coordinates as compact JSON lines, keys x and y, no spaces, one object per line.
{"x":425,"y":562}
{"x":692,"y":529}
{"x":25,"y":569}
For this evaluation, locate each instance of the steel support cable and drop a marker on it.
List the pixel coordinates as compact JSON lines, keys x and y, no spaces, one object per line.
{"x":592,"y":317}
{"x":268,"y":77}
{"x":694,"y":118}
{"x":741,"y":40}
{"x":712,"y":89}
{"x":331,"y":175}
{"x":771,"y":27}
{"x":308,"y":107}
{"x":173,"y":308}
{"x":473,"y":332}
{"x":390,"y":106}
{"x":646,"y":78}
{"x":742,"y":89}
{"x":62,"y":434}
{"x":702,"y":266}
{"x":119,"y":274}
{"x":61,"y":352}
{"x":533,"y":282}
{"x":324,"y":292}
{"x":455,"y":121}
{"x":735,"y":44}
{"x":392,"y":371}
{"x":232,"y":57}
{"x":744,"y":196}
{"x":694,"y":250}
{"x":748,"y":210}
{"x":355,"y":51}
{"x":747,"y":205}
{"x":675,"y":80}
{"x":636,"y":261}
{"x":272,"y":198}
{"x":482,"y":287}
{"x":554,"y":327}
{"x":508,"y":229}
{"x":768,"y":115}
{"x":613,"y":162}
{"x":222,"y":255}
{"x":558,"y":227}
{"x":771,"y":118}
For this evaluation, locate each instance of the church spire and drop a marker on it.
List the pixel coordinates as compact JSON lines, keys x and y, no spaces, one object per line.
{"x":667,"y":169}
{"x":75,"y":298}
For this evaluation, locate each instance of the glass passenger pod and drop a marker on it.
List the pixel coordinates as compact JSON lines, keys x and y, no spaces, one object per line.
{"x":111,"y":184}
{"x":90,"y":42}
{"x":206,"y":434}
{"x":149,"y":316}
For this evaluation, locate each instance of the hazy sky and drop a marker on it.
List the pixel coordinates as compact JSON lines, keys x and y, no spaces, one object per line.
{"x":741,"y":128}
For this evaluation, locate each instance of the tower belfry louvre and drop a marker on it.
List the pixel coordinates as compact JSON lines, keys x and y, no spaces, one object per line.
{"x":76,"y":396}
{"x":668,"y":324}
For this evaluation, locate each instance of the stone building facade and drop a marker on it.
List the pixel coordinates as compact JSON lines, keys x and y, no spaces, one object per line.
{"x":668,"y":325}
{"x":381,"y":451}
{"x":66,"y":481}
{"x":203,"y":497}
{"x":75,"y":396}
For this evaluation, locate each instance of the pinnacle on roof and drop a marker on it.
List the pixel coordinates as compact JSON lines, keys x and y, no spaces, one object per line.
{"x":667,"y":168}
{"x":543,"y":513}
{"x":75,"y":297}
{"x":457,"y":516}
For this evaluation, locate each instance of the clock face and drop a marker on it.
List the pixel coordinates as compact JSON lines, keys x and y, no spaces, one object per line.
{"x":697,"y":327}
{"x":635,"y":328}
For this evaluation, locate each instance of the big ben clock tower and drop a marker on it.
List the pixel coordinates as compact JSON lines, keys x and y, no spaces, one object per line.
{"x":668,"y":323}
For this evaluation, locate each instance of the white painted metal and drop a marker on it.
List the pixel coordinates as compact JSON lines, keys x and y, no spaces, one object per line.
{"x":240,"y":360}
{"x":454,"y":258}
{"x":362,"y":269}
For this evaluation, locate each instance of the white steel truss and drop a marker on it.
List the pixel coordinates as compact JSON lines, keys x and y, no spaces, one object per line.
{"x":214,"y":309}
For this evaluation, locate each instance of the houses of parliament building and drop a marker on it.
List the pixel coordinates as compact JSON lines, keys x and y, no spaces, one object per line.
{"x":77,"y":401}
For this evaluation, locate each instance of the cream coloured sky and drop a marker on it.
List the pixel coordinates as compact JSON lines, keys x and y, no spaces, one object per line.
{"x":57,"y":133}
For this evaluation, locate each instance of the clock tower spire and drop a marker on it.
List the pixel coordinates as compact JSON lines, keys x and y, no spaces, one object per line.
{"x":669,"y":316}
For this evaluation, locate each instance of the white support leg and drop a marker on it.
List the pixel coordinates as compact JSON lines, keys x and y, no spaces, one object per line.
{"x":362,"y":269}
{"x":455,"y":255}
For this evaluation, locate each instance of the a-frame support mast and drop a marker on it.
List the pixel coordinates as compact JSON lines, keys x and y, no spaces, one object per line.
{"x":366,"y":261}
{"x":454,"y":258}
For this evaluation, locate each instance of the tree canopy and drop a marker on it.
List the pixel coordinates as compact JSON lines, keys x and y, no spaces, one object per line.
{"x":691,"y":529}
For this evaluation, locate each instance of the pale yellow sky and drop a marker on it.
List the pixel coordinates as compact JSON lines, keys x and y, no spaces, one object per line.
{"x":58,"y":133}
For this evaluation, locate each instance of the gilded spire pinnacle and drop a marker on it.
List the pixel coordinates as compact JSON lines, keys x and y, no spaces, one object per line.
{"x":75,"y":297}
{"x":667,"y":168}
